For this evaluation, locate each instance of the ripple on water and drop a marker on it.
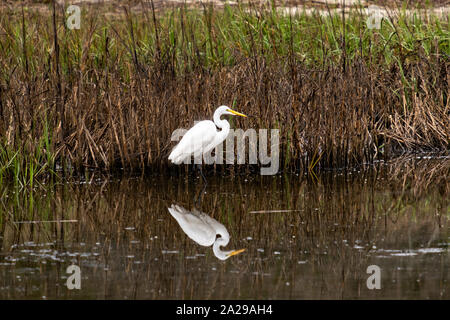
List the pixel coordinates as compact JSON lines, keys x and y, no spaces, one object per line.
{"x":170,"y":251}
{"x":408,"y":253}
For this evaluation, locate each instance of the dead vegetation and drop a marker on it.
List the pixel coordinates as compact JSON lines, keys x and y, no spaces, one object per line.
{"x":110,"y":94}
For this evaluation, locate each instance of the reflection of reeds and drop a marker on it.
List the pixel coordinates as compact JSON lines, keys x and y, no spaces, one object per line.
{"x":136,"y":235}
{"x":422,"y":172}
{"x":111,"y":93}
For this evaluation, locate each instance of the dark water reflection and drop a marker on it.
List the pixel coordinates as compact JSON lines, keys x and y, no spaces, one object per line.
{"x":303,"y":238}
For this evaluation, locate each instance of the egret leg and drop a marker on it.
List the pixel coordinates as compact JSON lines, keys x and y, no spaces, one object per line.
{"x":199,"y":199}
{"x":199,"y":166}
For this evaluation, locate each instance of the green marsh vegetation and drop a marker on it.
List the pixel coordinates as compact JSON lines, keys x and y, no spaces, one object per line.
{"x":84,"y":104}
{"x":110,"y":94}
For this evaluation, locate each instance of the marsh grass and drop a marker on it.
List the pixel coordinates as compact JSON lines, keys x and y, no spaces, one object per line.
{"x":109,"y":95}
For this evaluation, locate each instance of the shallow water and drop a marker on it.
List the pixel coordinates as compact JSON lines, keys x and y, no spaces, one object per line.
{"x":304,"y":238}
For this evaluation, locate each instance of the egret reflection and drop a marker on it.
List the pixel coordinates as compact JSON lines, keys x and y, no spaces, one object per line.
{"x":204,"y":230}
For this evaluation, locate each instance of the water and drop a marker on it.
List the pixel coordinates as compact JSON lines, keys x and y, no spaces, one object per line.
{"x":304,"y":238}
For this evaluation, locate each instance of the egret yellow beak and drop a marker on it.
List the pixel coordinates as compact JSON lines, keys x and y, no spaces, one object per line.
{"x":237,"y":113}
{"x":235,"y":252}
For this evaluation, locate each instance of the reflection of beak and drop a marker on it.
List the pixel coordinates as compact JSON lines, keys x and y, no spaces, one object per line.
{"x":237,"y":113}
{"x":235,"y":252}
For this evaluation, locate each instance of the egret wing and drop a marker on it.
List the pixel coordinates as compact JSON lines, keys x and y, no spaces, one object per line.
{"x":194,"y":142}
{"x":194,"y":225}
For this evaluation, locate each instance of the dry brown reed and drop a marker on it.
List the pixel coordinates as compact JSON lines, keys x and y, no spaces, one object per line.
{"x":331,"y":115}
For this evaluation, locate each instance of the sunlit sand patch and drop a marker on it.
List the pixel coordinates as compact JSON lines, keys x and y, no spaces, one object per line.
{"x":383,"y":11}
{"x":320,"y":7}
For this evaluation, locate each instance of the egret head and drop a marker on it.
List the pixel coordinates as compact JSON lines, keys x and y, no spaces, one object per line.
{"x":227,"y":110}
{"x":223,"y":240}
{"x":224,"y":255}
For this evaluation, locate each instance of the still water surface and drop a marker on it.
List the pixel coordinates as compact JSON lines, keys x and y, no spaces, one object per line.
{"x":304,"y":238}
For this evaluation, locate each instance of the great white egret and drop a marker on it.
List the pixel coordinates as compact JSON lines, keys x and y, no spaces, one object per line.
{"x":204,"y":230}
{"x":203,"y":137}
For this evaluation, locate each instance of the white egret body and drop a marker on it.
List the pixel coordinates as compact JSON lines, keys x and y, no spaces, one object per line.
{"x":204,"y":230}
{"x":203,"y":136}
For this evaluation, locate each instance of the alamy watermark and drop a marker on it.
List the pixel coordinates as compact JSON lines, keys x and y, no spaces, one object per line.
{"x":374,"y":281}
{"x":375,"y":17}
{"x":257,"y":143}
{"x":74,"y":280}
{"x":74,"y":19}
